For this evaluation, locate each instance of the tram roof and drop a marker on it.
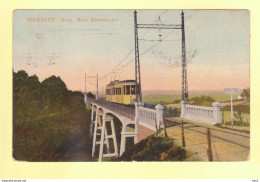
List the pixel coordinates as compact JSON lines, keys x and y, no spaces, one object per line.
{"x":117,"y":81}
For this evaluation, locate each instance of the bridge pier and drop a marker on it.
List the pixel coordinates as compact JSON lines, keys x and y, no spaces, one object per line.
{"x":101,"y":130}
{"x":124,"y":135}
{"x":123,"y":139}
{"x":95,"y":132}
{"x":92,"y":120}
{"x":144,"y":120}
{"x":101,"y":147}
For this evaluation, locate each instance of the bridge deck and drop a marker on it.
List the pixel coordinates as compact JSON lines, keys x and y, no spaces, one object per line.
{"x":126,"y":111}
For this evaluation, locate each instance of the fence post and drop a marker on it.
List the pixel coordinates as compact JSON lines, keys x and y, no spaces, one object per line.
{"x":217,"y":112}
{"x":223,"y":118}
{"x":182,"y":134}
{"x":209,"y":151}
{"x":159,"y":116}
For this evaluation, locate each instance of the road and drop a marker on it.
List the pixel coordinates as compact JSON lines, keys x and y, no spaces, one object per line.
{"x":227,"y":145}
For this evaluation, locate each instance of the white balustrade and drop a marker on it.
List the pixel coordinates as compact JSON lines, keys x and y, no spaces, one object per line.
{"x":208,"y":115}
{"x":150,"y":118}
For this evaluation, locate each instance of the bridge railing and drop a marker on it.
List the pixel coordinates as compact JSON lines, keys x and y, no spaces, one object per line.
{"x":208,"y":115}
{"x":122,"y":110}
{"x":150,"y":118}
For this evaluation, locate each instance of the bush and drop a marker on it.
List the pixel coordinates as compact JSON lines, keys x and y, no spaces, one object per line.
{"x":154,"y":149}
{"x":202,"y":101}
{"x":50,"y":123}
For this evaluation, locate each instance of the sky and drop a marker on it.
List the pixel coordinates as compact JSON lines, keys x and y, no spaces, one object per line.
{"x":72,"y":43}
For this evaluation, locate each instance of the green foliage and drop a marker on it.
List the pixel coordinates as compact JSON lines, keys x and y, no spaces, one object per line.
{"x":91,"y":95}
{"x":246,"y":93}
{"x":202,"y":100}
{"x":154,"y":149}
{"x":50,"y":122}
{"x":163,"y":99}
{"x":166,"y":99}
{"x":53,"y":91}
{"x":238,"y":108}
{"x":171,"y":112}
{"x":239,"y":118}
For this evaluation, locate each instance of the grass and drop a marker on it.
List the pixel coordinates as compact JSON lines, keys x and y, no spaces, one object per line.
{"x":168,"y":99}
{"x":242,"y":119}
{"x":238,"y":108}
{"x":226,"y":127}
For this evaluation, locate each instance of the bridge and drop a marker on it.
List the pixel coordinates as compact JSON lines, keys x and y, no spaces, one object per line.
{"x":140,"y":121}
{"x":137,"y":122}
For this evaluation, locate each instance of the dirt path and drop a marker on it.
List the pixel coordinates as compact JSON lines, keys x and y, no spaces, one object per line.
{"x":226,"y":145}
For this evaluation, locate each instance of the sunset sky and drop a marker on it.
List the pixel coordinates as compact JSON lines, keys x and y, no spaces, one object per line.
{"x":57,"y":43}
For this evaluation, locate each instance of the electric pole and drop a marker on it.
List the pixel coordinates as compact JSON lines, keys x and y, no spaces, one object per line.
{"x":92,"y":77}
{"x":137,"y":60}
{"x":184,"y":64}
{"x":138,"y":89}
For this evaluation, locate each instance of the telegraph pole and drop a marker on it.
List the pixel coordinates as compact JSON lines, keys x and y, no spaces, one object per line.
{"x":138,"y":92}
{"x":92,"y":77}
{"x":137,"y":60}
{"x":184,"y":64}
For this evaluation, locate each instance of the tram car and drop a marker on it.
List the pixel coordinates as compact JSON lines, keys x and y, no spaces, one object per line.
{"x":122,"y":92}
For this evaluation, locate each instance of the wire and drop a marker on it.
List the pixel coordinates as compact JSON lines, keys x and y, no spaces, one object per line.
{"x":147,"y":50}
{"x":119,"y":68}
{"x":157,"y":40}
{"x":115,"y":68}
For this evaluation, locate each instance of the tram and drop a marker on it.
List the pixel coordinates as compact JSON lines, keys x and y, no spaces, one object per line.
{"x":122,"y":92}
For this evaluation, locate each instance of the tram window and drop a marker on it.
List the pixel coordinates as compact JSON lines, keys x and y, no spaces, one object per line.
{"x":133,"y":89}
{"x":127,"y":90}
{"x":113,"y":91}
{"x":108,"y":92}
{"x":118,"y":91}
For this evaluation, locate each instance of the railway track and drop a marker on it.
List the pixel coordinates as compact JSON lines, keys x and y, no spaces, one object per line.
{"x":237,"y":138}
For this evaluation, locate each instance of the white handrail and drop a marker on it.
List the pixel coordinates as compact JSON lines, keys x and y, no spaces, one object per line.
{"x":209,"y":115}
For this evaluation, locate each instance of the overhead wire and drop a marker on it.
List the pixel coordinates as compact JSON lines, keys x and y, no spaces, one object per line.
{"x":115,"y":68}
{"x":153,"y":46}
{"x":118,"y":69}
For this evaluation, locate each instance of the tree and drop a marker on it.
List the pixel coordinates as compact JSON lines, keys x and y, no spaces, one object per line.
{"x":246,"y":93}
{"x":53,"y":91}
{"x":91,"y":95}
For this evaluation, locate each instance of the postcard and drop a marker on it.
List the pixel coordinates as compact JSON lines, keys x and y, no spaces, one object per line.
{"x":131,"y":85}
